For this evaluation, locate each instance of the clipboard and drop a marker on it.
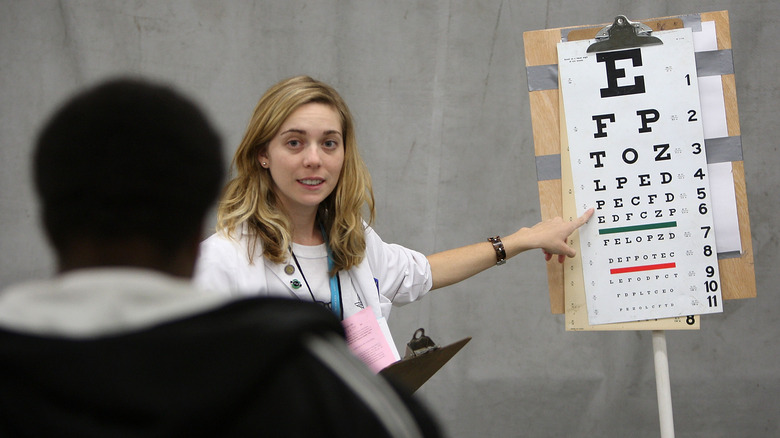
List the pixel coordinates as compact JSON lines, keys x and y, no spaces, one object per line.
{"x":422,"y":360}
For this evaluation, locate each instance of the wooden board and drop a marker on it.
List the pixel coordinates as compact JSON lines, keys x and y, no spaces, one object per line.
{"x":737,"y":273}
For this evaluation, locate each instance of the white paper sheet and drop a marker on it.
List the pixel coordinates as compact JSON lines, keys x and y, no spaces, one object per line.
{"x":713,"y":110}
{"x":724,"y":208}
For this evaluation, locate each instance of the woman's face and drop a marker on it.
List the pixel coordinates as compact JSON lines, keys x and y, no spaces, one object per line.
{"x":305,"y":157}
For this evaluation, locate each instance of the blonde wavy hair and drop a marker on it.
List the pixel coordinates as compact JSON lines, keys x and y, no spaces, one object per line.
{"x":249,"y":198}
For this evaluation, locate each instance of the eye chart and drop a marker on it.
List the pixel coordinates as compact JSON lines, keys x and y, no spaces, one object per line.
{"x":636,"y":143}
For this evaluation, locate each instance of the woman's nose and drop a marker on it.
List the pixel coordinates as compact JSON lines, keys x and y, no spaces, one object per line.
{"x":311,"y":156}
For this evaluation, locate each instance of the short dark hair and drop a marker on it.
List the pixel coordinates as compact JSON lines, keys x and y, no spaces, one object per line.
{"x":125,"y":159}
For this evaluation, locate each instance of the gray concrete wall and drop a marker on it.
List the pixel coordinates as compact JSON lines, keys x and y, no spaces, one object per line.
{"x":439,"y":91}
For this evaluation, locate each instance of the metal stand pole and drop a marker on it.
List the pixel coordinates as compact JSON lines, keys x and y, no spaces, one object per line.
{"x":662,"y":384}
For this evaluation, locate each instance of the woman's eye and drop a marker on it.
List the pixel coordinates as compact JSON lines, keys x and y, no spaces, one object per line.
{"x":332,"y":144}
{"x":294,"y":143}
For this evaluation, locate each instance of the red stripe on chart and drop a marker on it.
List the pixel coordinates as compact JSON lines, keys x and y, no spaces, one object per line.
{"x":642,"y":268}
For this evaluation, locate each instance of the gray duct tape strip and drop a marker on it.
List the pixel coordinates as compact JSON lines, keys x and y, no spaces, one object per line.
{"x":714,"y":63}
{"x":693,"y":21}
{"x":542,"y":77}
{"x":710,"y":63}
{"x":548,"y":167}
{"x":724,"y":149}
{"x":718,"y":62}
{"x":729,"y":255}
{"x":719,"y":150}
{"x":566,"y":31}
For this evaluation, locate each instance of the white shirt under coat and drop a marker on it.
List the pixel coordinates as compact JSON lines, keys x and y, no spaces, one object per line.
{"x":389,"y":274}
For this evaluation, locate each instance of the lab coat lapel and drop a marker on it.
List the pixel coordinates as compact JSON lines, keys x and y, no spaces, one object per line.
{"x":278,"y":269}
{"x":364,"y":286}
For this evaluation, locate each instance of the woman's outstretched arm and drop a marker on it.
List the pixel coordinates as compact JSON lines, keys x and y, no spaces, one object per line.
{"x":455,"y":265}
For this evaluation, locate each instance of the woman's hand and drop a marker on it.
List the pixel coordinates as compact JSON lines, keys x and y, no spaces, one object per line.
{"x":551,"y":236}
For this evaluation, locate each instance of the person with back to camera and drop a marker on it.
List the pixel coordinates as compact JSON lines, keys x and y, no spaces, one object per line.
{"x":120,"y":343}
{"x":290,"y":222}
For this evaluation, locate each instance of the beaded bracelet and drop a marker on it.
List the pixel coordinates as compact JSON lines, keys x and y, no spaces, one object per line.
{"x":498,"y":245}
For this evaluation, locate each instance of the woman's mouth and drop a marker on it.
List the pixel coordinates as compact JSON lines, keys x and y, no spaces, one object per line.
{"x":311,"y":182}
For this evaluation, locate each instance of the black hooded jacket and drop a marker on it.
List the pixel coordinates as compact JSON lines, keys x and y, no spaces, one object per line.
{"x":253,"y":367}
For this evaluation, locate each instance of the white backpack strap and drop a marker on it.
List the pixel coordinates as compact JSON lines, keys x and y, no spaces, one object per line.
{"x":378,"y":395}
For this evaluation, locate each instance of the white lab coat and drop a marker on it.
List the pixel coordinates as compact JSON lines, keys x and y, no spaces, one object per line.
{"x":389,"y":274}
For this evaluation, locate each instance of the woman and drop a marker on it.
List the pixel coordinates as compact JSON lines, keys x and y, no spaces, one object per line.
{"x":290,"y":223}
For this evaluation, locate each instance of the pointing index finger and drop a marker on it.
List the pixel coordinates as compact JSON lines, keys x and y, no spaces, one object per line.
{"x":585,"y":217}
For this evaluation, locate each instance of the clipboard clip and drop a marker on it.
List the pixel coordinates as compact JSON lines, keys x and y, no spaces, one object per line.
{"x":420,"y":344}
{"x":623,"y":34}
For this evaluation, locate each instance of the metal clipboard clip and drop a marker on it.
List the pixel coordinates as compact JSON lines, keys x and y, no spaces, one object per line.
{"x":623,"y":34}
{"x":422,"y":360}
{"x":420,"y":344}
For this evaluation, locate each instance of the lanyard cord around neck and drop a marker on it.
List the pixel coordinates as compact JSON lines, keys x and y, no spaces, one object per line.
{"x":335,"y":282}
